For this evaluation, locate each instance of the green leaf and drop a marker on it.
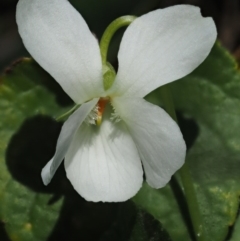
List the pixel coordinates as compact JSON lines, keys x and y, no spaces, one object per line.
{"x":236,"y":231}
{"x":25,"y":213}
{"x":134,"y":224}
{"x":147,"y":228}
{"x":163,"y":205}
{"x":211,"y":96}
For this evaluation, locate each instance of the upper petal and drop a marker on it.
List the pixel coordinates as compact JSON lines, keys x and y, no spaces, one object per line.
{"x":65,"y":138}
{"x":162,"y":46}
{"x":157,"y":136}
{"x":58,"y":38}
{"x":103,"y":163}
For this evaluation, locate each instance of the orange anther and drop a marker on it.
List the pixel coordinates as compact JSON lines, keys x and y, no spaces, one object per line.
{"x":101,"y":106}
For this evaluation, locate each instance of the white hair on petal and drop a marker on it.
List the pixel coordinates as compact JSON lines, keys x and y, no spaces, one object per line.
{"x":92,"y":117}
{"x":115,"y":116}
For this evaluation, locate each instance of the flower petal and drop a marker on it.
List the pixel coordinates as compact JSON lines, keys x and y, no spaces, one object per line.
{"x":103,"y":163}
{"x":58,"y":38}
{"x":65,"y":138}
{"x":157,"y":136}
{"x":162,"y":46}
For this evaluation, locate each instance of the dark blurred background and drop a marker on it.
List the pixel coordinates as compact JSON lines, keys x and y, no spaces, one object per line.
{"x":99,"y":14}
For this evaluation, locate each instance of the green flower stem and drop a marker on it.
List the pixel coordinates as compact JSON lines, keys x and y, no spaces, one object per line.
{"x":110,"y":31}
{"x":185,"y":175}
{"x":67,"y":113}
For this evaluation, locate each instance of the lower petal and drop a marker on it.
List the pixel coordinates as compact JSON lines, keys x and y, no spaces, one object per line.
{"x":103,"y":163}
{"x":157,"y":137}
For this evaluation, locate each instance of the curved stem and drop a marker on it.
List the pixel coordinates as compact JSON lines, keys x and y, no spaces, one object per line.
{"x":68,"y":113}
{"x":185,"y":175}
{"x":110,"y":31}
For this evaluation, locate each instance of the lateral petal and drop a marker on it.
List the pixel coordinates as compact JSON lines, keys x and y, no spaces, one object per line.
{"x":157,"y":136}
{"x":162,"y":46}
{"x":58,"y":38}
{"x":103,"y":163}
{"x":65,"y":138}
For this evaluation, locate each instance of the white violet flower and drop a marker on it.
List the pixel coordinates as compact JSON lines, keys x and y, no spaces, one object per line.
{"x":104,"y":161}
